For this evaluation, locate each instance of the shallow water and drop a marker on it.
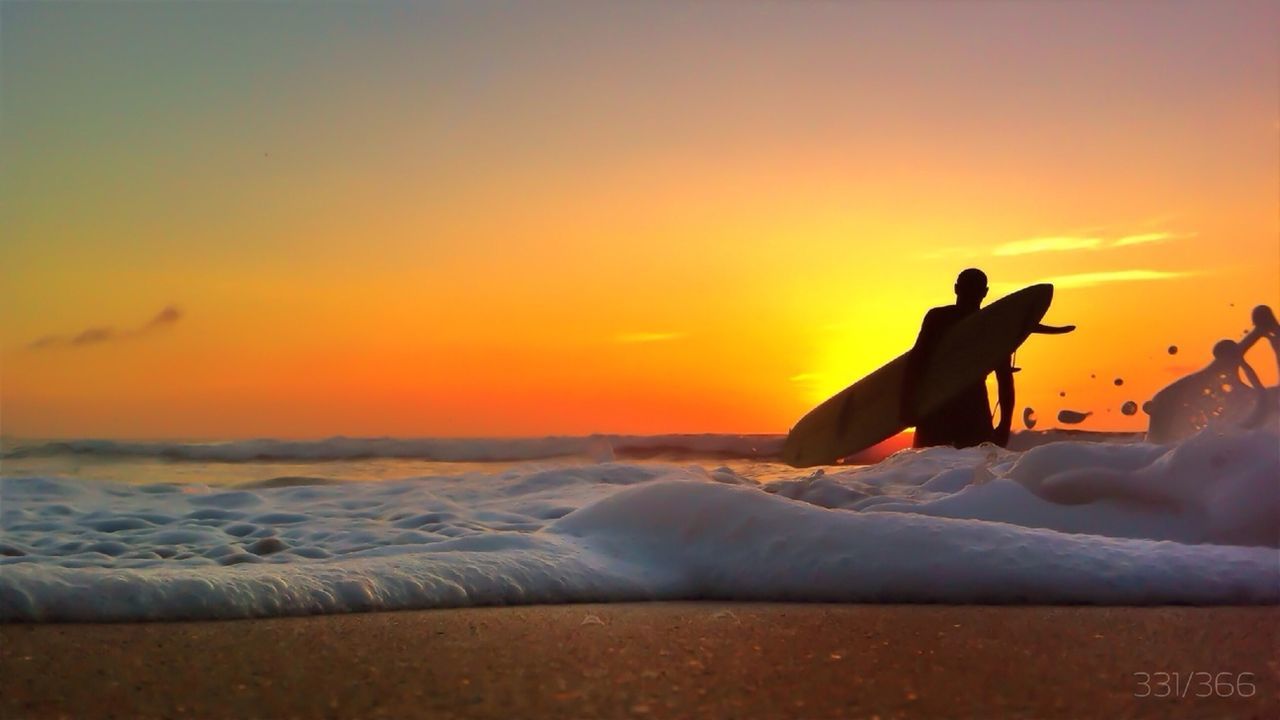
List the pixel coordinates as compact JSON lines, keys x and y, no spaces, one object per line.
{"x":100,"y":530}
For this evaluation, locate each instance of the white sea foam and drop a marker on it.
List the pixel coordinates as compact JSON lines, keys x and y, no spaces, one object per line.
{"x":1067,"y":521}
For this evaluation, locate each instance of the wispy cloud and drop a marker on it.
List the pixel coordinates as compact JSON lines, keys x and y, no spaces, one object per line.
{"x":46,"y":341}
{"x":648,"y":337}
{"x":1080,"y":280}
{"x":1053,"y":243}
{"x":1146,"y":238}
{"x":1047,"y":244}
{"x":168,"y":316}
{"x":93,"y":336}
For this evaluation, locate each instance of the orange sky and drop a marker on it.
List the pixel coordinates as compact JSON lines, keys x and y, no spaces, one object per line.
{"x":391,"y":220}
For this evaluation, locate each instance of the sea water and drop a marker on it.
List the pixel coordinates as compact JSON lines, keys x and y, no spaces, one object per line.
{"x":102,"y":530}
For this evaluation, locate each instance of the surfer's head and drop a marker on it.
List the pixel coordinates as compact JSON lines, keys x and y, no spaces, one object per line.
{"x":971,"y":287}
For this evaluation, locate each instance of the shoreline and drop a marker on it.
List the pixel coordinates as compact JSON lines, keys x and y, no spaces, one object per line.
{"x":653,"y":660}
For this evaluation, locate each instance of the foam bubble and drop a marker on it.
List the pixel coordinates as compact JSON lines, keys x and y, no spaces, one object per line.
{"x":1066,"y":521}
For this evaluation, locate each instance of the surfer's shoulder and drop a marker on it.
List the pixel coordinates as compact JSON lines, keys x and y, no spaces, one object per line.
{"x":941,"y":314}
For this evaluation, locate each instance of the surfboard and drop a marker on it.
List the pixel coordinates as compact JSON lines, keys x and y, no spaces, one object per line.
{"x":867,"y":412}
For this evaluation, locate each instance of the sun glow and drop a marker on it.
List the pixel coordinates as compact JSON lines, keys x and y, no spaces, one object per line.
{"x":628,"y":218}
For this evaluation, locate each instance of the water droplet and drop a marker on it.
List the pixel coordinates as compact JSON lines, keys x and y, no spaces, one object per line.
{"x":1029,"y":417}
{"x":1119,"y":382}
{"x":1129,"y":408}
{"x":1173,"y":349}
{"x":1072,"y":417}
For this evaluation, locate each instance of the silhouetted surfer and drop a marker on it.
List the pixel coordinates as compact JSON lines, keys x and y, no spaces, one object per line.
{"x":964,"y":420}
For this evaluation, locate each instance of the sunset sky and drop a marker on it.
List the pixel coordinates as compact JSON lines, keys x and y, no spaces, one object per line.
{"x":301,"y":219}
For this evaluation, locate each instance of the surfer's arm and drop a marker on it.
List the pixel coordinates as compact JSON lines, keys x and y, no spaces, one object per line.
{"x":1004,"y":391}
{"x":916,"y":359}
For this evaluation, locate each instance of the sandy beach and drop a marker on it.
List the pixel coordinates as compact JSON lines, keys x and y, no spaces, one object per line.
{"x":653,"y":660}
{"x":659,"y":360}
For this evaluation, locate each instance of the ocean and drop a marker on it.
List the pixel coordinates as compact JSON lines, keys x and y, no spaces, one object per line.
{"x":99,"y":530}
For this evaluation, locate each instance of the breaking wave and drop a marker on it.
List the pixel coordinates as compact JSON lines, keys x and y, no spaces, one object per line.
{"x":1069,"y":521}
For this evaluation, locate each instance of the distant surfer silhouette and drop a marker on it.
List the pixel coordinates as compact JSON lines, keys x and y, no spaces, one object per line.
{"x":965,"y":419}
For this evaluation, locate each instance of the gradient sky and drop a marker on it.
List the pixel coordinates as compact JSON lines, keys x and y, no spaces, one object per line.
{"x":476,"y":218}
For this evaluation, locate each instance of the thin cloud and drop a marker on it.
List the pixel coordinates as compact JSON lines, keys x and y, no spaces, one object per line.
{"x":93,"y":336}
{"x":1093,"y":279}
{"x":647,"y":337}
{"x":1146,"y":238}
{"x":1158,"y":220}
{"x":1054,"y":243}
{"x":168,"y":316}
{"x":98,"y":335}
{"x":1047,"y":244}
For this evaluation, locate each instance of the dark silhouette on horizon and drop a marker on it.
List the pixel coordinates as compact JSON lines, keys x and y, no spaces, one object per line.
{"x":963,"y":420}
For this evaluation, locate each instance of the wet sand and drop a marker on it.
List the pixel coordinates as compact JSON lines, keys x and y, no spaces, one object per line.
{"x":654,"y":660}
